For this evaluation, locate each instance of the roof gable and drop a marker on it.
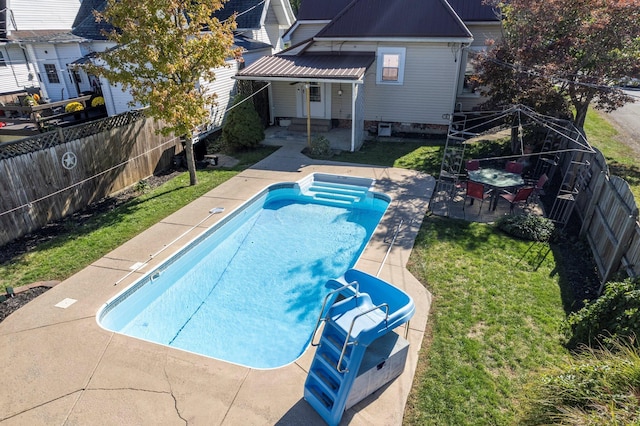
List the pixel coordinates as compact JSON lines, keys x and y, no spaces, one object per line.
{"x":396,"y":19}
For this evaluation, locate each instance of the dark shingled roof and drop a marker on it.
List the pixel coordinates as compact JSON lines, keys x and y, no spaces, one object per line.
{"x":310,"y":66}
{"x":251,"y":12}
{"x":249,"y":44}
{"x":86,"y":26}
{"x":475,"y":10}
{"x":395,"y":18}
{"x":320,"y":9}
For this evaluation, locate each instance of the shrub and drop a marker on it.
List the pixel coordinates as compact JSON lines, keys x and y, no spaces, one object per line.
{"x":73,"y":107}
{"x":97,"y":101}
{"x":599,"y":387}
{"x":605,"y":320}
{"x":320,"y":147}
{"x":243,"y":128}
{"x":528,"y":227}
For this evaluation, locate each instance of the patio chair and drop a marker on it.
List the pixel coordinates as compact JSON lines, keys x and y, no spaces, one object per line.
{"x":476,"y":191}
{"x":514,"y":167}
{"x":538,"y":189}
{"x":521,"y":196}
{"x":472,"y":165}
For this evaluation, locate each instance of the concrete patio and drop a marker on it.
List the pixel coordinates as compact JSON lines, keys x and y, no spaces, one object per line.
{"x":61,"y":367}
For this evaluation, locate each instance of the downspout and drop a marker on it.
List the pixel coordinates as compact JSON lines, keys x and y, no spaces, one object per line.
{"x":271,"y":106}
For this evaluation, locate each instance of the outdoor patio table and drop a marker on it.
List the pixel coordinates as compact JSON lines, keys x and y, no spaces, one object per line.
{"x":496,"y":179}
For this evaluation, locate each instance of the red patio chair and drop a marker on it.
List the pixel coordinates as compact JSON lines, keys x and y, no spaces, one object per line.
{"x":475,"y":191}
{"x":514,"y":167}
{"x":472,"y":165}
{"x":521,"y":196}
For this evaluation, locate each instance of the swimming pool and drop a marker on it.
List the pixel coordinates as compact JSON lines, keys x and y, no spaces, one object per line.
{"x":249,"y":289}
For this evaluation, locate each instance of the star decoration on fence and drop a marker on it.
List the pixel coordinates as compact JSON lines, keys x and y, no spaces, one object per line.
{"x":69,"y":160}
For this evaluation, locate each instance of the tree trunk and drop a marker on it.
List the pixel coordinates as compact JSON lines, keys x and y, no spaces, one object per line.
{"x":191,"y":162}
{"x":581,"y":116}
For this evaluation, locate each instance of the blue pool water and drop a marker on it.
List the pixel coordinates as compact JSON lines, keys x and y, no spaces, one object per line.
{"x":249,"y":290}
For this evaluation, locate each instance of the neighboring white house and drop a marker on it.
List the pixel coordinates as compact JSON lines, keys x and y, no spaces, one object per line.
{"x":33,"y":19}
{"x":365,"y":63}
{"x":58,"y":55}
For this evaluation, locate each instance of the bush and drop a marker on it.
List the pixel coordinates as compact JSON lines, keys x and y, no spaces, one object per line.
{"x":320,"y":147}
{"x":528,"y":227}
{"x":73,"y":107}
{"x":596,"y":388}
{"x":243,"y":128}
{"x":602,"y":322}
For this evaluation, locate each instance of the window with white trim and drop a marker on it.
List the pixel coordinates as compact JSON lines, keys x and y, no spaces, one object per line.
{"x":390,"y":65}
{"x":52,"y":73}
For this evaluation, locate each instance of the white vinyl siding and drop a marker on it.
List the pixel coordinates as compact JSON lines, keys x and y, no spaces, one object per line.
{"x":42,"y":15}
{"x":483,"y":32}
{"x":428,"y":91}
{"x":304,"y":32}
{"x":16,"y":75}
{"x":224,"y":86}
{"x":284,"y":99}
{"x":341,"y":104}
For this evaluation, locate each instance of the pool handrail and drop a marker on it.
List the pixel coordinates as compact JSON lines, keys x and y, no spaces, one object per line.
{"x":321,"y":316}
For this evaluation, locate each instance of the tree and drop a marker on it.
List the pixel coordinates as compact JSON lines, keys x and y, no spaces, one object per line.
{"x":164,"y":48}
{"x":555,"y":49}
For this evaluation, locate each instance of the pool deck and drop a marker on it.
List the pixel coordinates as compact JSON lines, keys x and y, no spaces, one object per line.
{"x":61,"y":368}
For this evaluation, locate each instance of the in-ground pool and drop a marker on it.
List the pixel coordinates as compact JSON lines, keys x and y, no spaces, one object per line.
{"x":249,"y":290}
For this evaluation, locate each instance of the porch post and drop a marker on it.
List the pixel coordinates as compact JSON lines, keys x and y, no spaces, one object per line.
{"x":354,"y":87}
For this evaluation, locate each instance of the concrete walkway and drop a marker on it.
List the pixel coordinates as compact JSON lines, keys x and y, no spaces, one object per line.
{"x":61,"y":368}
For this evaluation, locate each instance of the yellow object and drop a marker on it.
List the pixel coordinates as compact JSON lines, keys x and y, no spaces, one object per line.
{"x":97,"y":101}
{"x":73,"y":107}
{"x":36,"y":97}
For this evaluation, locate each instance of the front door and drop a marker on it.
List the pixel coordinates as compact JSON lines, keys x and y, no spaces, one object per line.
{"x":316,"y":100}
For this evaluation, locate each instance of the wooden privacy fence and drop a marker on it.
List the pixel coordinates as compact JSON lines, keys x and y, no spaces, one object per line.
{"x":49,"y":176}
{"x":609,"y":217}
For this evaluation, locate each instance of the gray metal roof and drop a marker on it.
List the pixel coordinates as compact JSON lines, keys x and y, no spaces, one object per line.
{"x":396,"y":19}
{"x":310,"y":66}
{"x":41,"y":36}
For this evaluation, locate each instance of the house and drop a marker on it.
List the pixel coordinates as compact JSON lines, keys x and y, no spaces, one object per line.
{"x":19,"y":20}
{"x":387,"y":65}
{"x":58,"y":56}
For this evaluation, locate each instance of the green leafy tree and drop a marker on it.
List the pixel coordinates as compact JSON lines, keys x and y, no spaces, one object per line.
{"x":164,"y":48}
{"x":563,"y":49}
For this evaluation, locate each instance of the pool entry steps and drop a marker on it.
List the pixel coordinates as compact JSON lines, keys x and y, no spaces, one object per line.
{"x":358,"y":352}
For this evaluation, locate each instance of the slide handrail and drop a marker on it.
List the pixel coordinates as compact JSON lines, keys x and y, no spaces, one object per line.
{"x":321,"y":319}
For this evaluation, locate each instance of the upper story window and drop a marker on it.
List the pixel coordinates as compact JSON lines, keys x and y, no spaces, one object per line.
{"x":52,"y":73}
{"x":390,"y":65}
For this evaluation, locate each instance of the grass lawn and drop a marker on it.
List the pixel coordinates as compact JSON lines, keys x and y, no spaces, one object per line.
{"x":494,"y":320}
{"x":621,"y":160}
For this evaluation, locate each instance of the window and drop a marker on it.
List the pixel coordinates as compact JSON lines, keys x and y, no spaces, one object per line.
{"x":390,"y":65}
{"x":52,"y":74}
{"x":314,"y":92}
{"x":2,"y":61}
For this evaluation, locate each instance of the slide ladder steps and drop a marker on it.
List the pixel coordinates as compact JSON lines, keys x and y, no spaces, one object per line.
{"x":328,"y":384}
